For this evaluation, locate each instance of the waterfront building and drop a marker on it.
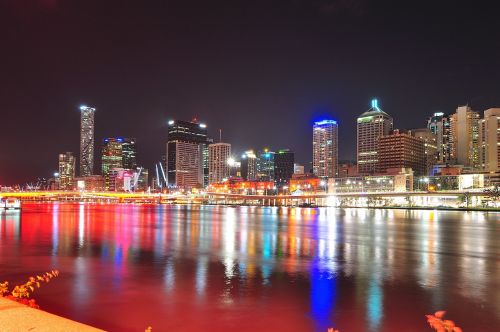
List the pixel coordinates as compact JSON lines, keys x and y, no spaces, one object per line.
{"x":306,"y":184}
{"x":249,"y":166}
{"x":238,"y":185}
{"x":86,"y":140}
{"x":464,"y":125}
{"x":430,"y":147}
{"x":395,"y":180}
{"x":325,"y":148}
{"x":186,"y":155}
{"x":265,"y":166}
{"x":370,"y":126}
{"x":283,"y":167}
{"x":129,"y":153}
{"x":111,"y":158}
{"x":489,"y":141}
{"x":439,"y":124}
{"x":218,"y":162}
{"x":401,"y":150}
{"x":90,"y":183}
{"x":66,"y":170}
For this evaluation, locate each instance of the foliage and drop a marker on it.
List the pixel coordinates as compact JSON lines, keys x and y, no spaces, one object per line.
{"x":438,"y":323}
{"x":22,"y":293}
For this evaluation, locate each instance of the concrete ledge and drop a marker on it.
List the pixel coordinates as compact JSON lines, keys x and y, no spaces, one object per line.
{"x":15,"y":317}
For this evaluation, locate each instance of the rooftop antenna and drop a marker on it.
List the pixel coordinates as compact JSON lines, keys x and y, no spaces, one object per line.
{"x":220,"y":135}
{"x":375,"y":103}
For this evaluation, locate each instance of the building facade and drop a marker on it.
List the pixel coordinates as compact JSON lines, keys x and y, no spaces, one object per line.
{"x":66,"y":171}
{"x":325,"y":148}
{"x":187,"y":150}
{"x":265,"y":166}
{"x":439,"y":124}
{"x":218,"y":165}
{"x":464,"y":125}
{"x":111,"y":159}
{"x":129,"y":153}
{"x":401,"y":150}
{"x":430,"y":146}
{"x":283,"y":167}
{"x":249,"y":166}
{"x":86,"y":140}
{"x":489,"y":141}
{"x":370,"y":126}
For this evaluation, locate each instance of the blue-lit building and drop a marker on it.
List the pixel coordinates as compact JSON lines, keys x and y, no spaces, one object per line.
{"x":325,"y":148}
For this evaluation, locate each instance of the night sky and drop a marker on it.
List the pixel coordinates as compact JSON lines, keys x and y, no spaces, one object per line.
{"x":262,"y":71}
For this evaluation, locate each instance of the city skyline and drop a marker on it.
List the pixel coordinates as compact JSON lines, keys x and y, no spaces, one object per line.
{"x":299,"y":63}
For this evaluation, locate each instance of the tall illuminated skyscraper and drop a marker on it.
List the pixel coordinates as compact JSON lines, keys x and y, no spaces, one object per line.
{"x":325,"y":148}
{"x":186,"y":153}
{"x":111,"y":159}
{"x":464,"y":125}
{"x":370,"y":126}
{"x":439,"y":124}
{"x":218,"y":166}
{"x":129,"y":153}
{"x":87,"y":141}
{"x":249,"y":166}
{"x":489,"y":138}
{"x":66,"y":170}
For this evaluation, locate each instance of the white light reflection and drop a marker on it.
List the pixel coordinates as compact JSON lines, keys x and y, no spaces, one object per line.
{"x":81,"y":225}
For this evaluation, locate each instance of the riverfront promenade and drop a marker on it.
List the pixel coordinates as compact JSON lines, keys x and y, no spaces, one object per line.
{"x":414,"y":199}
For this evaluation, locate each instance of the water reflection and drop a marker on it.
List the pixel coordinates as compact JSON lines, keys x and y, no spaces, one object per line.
{"x":329,"y":267}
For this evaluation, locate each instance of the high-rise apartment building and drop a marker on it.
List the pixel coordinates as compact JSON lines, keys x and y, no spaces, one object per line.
{"x":218,"y":162}
{"x":325,"y":148}
{"x":283,"y":167}
{"x":249,"y":166}
{"x":129,"y":153}
{"x":401,"y":150}
{"x":111,"y":159}
{"x":370,"y":126}
{"x":439,"y":124}
{"x":66,"y":170}
{"x":86,"y":140}
{"x":430,"y":145}
{"x":464,"y":125}
{"x":489,"y":141}
{"x":187,"y":151}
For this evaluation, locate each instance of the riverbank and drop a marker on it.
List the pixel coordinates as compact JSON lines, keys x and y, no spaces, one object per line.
{"x":15,"y":317}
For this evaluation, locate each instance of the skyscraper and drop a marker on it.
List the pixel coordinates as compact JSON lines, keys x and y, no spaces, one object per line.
{"x":218,"y":166}
{"x":87,"y":140}
{"x":186,"y":144}
{"x":464,"y":125}
{"x":325,"y":148}
{"x":112,"y":159}
{"x":249,"y":166}
{"x":439,"y":124}
{"x":283,"y":167}
{"x":129,"y":153}
{"x":489,"y":138}
{"x":265,"y":166}
{"x":370,"y":126}
{"x":66,"y":170}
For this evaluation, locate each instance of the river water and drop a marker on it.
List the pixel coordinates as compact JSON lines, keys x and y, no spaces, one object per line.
{"x":215,"y":268}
